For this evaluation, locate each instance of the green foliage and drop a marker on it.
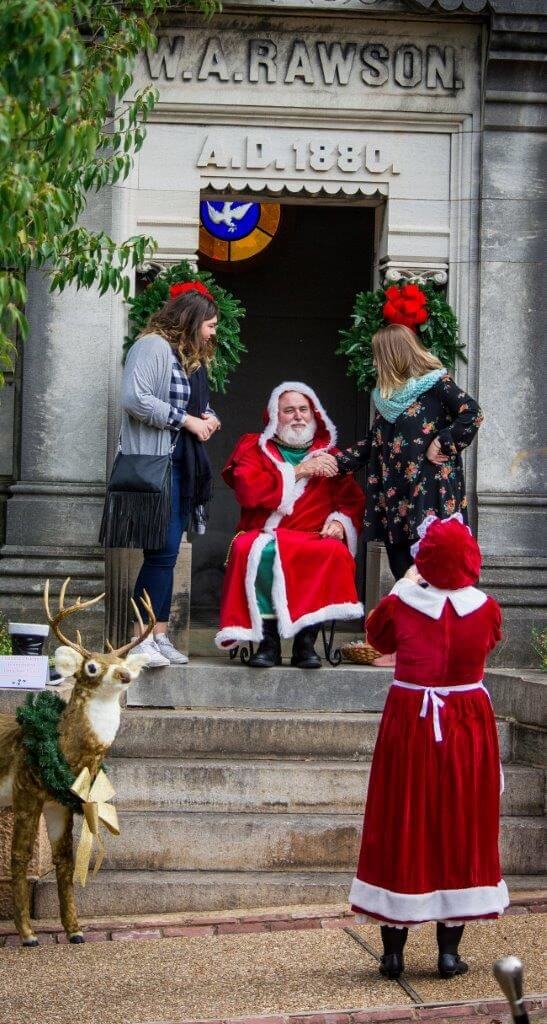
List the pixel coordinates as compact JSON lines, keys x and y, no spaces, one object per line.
{"x":65,"y":66}
{"x":5,"y":639}
{"x":39,"y":719}
{"x":439,"y":333}
{"x":229,"y":347}
{"x":539,"y":644}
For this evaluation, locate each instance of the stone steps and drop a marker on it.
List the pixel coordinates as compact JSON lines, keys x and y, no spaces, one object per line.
{"x":167,"y":892}
{"x":246,"y":733}
{"x":261,"y":841}
{"x":242,"y":788}
{"x":316,"y":786}
{"x":215,"y":683}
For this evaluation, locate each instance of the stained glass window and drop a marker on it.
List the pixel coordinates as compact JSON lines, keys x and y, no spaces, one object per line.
{"x":233,"y":232}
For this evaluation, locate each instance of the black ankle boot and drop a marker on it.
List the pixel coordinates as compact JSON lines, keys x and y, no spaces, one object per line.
{"x":450,"y":964}
{"x":303,"y":650}
{"x":392,"y":962}
{"x":268,"y":652}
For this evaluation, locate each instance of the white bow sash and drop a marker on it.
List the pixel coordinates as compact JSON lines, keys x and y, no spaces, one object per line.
{"x":433,"y":698}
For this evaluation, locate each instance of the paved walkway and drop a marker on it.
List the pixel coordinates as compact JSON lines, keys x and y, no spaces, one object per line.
{"x":304,"y":974}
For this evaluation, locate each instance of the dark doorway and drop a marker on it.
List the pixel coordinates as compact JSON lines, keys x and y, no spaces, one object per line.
{"x":297,"y":300}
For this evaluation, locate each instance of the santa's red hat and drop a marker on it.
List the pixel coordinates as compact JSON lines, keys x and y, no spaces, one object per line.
{"x":447,"y":555}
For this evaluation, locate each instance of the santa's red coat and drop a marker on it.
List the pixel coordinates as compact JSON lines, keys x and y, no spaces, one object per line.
{"x":314,"y":576}
{"x":429,"y":848}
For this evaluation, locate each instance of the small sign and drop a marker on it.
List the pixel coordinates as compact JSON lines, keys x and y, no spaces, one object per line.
{"x":23,"y":672}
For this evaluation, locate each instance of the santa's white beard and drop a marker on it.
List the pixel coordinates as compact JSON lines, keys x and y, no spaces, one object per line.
{"x":297,"y":437}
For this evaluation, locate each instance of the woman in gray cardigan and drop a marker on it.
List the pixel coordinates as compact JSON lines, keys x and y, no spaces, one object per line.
{"x":165,"y":401}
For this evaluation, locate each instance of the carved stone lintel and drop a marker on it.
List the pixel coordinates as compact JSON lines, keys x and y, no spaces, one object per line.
{"x":394,"y":276}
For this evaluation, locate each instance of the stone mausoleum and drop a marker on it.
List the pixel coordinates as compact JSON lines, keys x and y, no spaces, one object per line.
{"x":372,"y":139}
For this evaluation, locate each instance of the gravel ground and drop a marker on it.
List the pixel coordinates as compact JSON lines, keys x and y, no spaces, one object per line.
{"x":482,"y":944}
{"x":174,"y":980}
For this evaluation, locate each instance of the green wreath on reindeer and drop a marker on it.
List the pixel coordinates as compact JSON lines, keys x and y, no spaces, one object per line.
{"x":414,"y":303}
{"x":229,"y":347}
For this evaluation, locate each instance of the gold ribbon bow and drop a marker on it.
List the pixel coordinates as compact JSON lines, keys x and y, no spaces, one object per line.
{"x":96,"y":809}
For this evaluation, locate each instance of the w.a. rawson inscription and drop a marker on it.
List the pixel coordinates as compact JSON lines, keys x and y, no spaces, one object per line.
{"x":295,"y":61}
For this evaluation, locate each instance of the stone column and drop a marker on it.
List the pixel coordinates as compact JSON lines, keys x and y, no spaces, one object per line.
{"x":511,"y":494}
{"x":54,"y":511}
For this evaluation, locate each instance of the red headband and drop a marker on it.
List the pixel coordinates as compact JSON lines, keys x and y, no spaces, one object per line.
{"x":190,"y":286}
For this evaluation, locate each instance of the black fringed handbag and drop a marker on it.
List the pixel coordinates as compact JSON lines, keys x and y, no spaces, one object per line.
{"x":137,"y":506}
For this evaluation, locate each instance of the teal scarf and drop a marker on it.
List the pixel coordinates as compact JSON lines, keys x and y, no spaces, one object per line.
{"x":391,"y":408}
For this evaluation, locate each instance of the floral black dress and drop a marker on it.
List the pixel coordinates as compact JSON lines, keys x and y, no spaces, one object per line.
{"x":403,"y":486}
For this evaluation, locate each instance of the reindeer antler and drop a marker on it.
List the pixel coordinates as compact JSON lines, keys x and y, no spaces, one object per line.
{"x":62,"y":614}
{"x":144,"y":630}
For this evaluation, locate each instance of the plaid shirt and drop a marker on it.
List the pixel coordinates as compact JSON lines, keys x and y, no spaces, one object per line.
{"x":179,"y":396}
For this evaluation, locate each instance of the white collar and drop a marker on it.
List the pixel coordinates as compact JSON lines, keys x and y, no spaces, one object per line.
{"x":431,"y":601}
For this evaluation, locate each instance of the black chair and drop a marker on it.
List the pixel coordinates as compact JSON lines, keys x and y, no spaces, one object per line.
{"x":332,"y":654}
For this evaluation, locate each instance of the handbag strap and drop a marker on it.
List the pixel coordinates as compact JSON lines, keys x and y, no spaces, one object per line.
{"x":171,"y":449}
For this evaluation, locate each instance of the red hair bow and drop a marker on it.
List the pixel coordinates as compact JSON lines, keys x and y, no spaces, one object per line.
{"x":190,"y":286}
{"x":405,"y":305}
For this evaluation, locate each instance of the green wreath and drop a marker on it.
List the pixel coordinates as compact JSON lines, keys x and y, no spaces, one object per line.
{"x":39,"y":720}
{"x":424,"y":309}
{"x":229,"y":347}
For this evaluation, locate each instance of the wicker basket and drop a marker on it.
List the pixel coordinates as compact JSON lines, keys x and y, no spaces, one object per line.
{"x":359,"y":652}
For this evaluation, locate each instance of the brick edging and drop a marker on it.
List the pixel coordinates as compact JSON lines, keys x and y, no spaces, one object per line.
{"x":207,"y":924}
{"x":471,"y":1013}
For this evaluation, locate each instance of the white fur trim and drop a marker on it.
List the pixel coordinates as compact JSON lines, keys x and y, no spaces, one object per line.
{"x":439,"y":905}
{"x":236,"y":634}
{"x":431,"y":601}
{"x":292,"y":489}
{"x":349,"y":529}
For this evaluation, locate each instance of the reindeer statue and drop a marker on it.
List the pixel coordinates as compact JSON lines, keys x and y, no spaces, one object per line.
{"x":86,"y":729}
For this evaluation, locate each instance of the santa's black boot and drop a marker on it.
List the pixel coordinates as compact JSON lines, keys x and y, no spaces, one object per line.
{"x":268,"y":652}
{"x":303,"y":649}
{"x":392,"y":963}
{"x":448,"y":940}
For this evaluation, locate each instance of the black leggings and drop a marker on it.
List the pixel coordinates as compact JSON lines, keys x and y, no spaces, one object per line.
{"x":399,"y":557}
{"x":448,"y":938}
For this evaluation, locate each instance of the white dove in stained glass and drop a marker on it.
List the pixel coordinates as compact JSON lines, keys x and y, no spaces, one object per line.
{"x":228,"y":214}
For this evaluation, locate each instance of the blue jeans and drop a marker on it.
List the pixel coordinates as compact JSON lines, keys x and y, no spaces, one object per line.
{"x":156,"y":575}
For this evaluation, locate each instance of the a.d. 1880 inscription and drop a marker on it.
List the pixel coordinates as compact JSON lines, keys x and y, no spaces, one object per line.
{"x":263,"y":61}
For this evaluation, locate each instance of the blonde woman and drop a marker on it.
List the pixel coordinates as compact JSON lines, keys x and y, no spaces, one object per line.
{"x":412,"y":451}
{"x":165,"y":401}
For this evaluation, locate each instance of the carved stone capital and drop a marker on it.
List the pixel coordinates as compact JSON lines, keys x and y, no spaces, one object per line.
{"x":393,"y":275}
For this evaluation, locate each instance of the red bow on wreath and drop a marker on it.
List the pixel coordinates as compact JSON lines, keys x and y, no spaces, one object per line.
{"x":190,"y":286}
{"x":405,"y":305}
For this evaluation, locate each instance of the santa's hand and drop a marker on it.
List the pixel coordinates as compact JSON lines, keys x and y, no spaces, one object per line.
{"x":333,"y":529}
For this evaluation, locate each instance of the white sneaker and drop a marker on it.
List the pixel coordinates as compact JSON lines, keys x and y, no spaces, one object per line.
{"x":169,"y":651}
{"x":150,"y":648}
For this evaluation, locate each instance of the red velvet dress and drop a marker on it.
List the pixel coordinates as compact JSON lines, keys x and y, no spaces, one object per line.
{"x":429,"y":850}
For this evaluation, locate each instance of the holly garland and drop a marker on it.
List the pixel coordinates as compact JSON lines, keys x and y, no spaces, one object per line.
{"x":229,"y":347}
{"x":422,"y":307}
{"x":39,"y":720}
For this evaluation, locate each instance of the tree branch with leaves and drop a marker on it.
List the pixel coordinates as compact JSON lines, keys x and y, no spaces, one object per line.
{"x":67,"y":128}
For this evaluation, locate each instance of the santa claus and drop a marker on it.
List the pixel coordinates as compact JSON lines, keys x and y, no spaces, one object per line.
{"x":429,"y":850}
{"x":291,"y":565}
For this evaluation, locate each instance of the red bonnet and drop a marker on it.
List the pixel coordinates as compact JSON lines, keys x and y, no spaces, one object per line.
{"x":447,"y":555}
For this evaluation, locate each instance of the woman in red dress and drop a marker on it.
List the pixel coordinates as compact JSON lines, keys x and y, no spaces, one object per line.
{"x":429,"y":850}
